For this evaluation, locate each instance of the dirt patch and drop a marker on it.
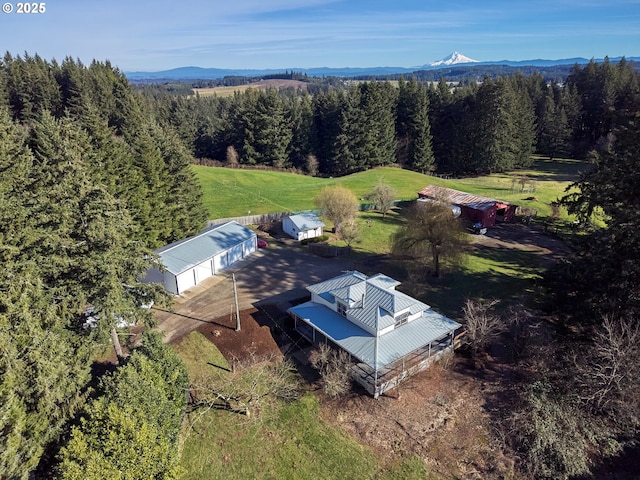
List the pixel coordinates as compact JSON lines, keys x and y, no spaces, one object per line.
{"x":439,"y":415}
{"x":254,"y":340}
{"x":527,"y":238}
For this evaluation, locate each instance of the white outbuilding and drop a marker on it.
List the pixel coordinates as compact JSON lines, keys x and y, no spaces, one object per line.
{"x":192,"y":260}
{"x":302,"y":226}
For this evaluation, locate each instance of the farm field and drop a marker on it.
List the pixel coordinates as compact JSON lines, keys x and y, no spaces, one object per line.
{"x":235,"y":192}
{"x":262,"y":85}
{"x":494,"y":267}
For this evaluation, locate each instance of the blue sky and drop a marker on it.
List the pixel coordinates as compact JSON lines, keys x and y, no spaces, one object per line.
{"x":144,"y":35}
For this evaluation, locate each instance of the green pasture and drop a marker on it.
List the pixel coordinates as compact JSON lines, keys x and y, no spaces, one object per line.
{"x":292,"y":441}
{"x":231,"y":192}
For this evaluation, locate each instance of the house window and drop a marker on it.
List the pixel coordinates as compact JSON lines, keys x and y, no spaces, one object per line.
{"x":342,"y":309}
{"x":402,"y":319}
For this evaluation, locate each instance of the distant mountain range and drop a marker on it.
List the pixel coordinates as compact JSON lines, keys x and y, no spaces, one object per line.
{"x":454,"y":60}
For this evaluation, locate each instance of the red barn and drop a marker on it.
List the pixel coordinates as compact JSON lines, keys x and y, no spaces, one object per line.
{"x":473,"y":208}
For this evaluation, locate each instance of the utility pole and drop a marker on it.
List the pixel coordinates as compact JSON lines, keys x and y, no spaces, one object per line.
{"x":235,"y":296}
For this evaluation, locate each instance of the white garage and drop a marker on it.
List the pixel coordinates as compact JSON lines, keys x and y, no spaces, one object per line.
{"x":302,"y":226}
{"x":190,"y":261}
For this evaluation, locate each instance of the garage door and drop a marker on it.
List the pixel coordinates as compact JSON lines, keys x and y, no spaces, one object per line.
{"x":203,"y":271}
{"x":235,"y":254}
{"x":186,"y":280}
{"x":249,"y":246}
{"x":220,"y":262}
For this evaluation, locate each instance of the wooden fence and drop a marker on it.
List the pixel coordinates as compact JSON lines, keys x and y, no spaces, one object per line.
{"x":251,"y":219}
{"x":329,"y":251}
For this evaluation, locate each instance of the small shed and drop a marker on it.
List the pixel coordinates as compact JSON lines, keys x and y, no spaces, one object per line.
{"x":473,"y":208}
{"x":302,"y":226}
{"x":192,"y":260}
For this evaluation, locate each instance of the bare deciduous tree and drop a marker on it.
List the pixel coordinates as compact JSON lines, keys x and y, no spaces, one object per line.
{"x":608,"y":370}
{"x":247,"y":387}
{"x":232,"y":157}
{"x":349,"y":231}
{"x":481,"y":323}
{"x":432,"y":234}
{"x":338,"y":204}
{"x":382,"y":197}
{"x":312,"y":165}
{"x":334,"y":368}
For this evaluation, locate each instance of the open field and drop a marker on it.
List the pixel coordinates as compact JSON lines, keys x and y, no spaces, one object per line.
{"x":234,"y":192}
{"x":261,"y":85}
{"x":510,"y":267}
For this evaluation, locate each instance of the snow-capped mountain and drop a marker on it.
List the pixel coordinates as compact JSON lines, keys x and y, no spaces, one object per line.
{"x":453,"y":59}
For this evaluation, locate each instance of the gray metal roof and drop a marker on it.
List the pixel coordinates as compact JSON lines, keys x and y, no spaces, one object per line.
{"x":456,"y":197}
{"x":345,"y":280}
{"x":430,"y":326}
{"x":180,"y":256}
{"x":306,"y":221}
{"x":371,"y":301}
{"x":379,"y":306}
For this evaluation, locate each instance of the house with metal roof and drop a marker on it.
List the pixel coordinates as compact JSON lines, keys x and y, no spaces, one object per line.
{"x":473,"y":208}
{"x":302,"y":226}
{"x":190,"y":261}
{"x":388,"y":334}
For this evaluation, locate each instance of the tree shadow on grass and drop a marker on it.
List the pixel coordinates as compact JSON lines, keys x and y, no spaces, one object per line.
{"x":558,"y":170}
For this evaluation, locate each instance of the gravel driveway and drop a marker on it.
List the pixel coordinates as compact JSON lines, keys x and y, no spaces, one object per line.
{"x":275,"y":275}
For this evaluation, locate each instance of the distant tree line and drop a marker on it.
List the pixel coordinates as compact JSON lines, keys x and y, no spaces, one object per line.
{"x":469,"y":73}
{"x":491,"y":126}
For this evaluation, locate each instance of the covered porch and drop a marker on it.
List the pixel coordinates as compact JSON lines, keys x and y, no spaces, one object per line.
{"x":382,"y":362}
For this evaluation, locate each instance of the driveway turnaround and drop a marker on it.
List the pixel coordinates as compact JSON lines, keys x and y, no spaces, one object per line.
{"x":274,"y":275}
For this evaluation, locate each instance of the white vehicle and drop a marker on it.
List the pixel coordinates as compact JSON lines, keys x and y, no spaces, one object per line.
{"x":91,"y":319}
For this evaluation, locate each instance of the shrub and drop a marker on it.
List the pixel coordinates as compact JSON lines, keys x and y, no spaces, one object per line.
{"x":334,"y":368}
{"x":320,"y":239}
{"x":549,"y":432}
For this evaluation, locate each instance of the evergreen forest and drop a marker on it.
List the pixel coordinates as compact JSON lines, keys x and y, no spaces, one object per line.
{"x":95,"y":175}
{"x":90,"y":185}
{"x":490,"y":126}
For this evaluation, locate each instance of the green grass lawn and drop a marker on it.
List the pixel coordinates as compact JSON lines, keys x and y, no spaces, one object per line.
{"x":232,"y":192}
{"x":291,"y":441}
{"x":236,"y":192}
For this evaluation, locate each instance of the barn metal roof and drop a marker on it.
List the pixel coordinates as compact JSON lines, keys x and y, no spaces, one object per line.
{"x":180,"y":256}
{"x":456,"y":197}
{"x":391,"y":346}
{"x":306,"y":221}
